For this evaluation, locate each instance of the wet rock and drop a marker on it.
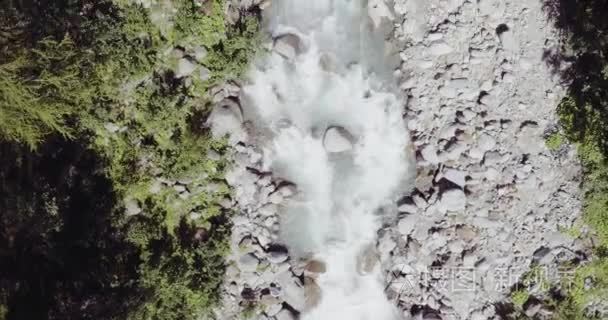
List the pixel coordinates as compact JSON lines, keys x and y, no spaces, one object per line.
{"x":248,"y":262}
{"x":275,"y":198}
{"x":337,"y":139}
{"x":312,"y":292}
{"x":292,"y":290}
{"x":367,"y":260}
{"x":265,"y":4}
{"x":386,"y":245}
{"x":407,"y":224}
{"x":285,"y":315}
{"x":316,"y":266}
{"x":408,"y":208}
{"x":288,"y":45}
{"x":277,"y":254}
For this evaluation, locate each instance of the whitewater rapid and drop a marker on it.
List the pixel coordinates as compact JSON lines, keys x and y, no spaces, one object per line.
{"x":337,"y":78}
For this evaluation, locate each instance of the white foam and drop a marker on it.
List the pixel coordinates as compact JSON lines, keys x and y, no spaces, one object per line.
{"x":333,"y":217}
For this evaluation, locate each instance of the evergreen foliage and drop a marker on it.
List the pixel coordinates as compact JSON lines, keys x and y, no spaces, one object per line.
{"x":90,"y":114}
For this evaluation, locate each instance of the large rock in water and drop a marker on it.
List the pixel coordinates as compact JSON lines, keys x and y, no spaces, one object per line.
{"x":312,"y":292}
{"x":288,"y":45}
{"x":337,"y":139}
{"x":293,"y":291}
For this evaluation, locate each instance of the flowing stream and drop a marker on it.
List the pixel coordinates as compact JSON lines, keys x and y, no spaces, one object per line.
{"x":332,"y":124}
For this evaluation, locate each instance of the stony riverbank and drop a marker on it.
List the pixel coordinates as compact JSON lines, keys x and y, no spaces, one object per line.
{"x":491,"y":198}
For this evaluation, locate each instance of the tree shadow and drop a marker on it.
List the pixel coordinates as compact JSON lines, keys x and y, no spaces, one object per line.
{"x":60,"y":255}
{"x":582,"y":63}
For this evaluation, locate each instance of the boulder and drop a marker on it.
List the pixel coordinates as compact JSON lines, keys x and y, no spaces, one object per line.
{"x":248,"y":262}
{"x":226,"y":119}
{"x":292,"y":291}
{"x":407,"y":224}
{"x":457,"y":177}
{"x":367,"y":260}
{"x":285,"y":315}
{"x":277,"y":254}
{"x":132,"y":207}
{"x":185,"y":67}
{"x":453,"y":200}
{"x":312,"y":292}
{"x":440,"y":48}
{"x":288,"y":46}
{"x":337,"y":139}
{"x":315,"y":267}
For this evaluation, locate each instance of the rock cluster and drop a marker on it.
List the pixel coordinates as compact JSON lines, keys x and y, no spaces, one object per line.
{"x":261,"y":280}
{"x":261,"y":276}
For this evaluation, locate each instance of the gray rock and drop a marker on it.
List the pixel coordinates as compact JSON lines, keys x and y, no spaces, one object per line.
{"x":268,"y":210}
{"x":265,"y":4}
{"x":486,"y":142}
{"x":532,"y":309}
{"x":111,"y":127}
{"x":453,"y":200}
{"x":248,"y":262}
{"x":288,"y":45}
{"x":275,"y":198}
{"x":156,"y":187}
{"x":312,"y":292}
{"x":274,"y":309}
{"x":508,"y":41}
{"x":226,"y":119}
{"x":132,"y":207}
{"x":285,"y":315}
{"x":293,"y":292}
{"x":458,"y":177}
{"x":315,"y":267}
{"x":367,"y":259}
{"x":429,"y":154}
{"x":277,"y":254}
{"x":200,"y":53}
{"x":408,"y":208}
{"x":337,"y":139}
{"x":185,"y":67}
{"x":407,"y":224}
{"x":204,"y":74}
{"x":440,"y":48}
{"x":385,"y":245}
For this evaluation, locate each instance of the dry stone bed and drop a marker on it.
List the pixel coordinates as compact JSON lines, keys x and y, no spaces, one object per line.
{"x":490,"y":198}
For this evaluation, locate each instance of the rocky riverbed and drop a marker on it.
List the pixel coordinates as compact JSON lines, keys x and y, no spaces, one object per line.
{"x":489,"y":200}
